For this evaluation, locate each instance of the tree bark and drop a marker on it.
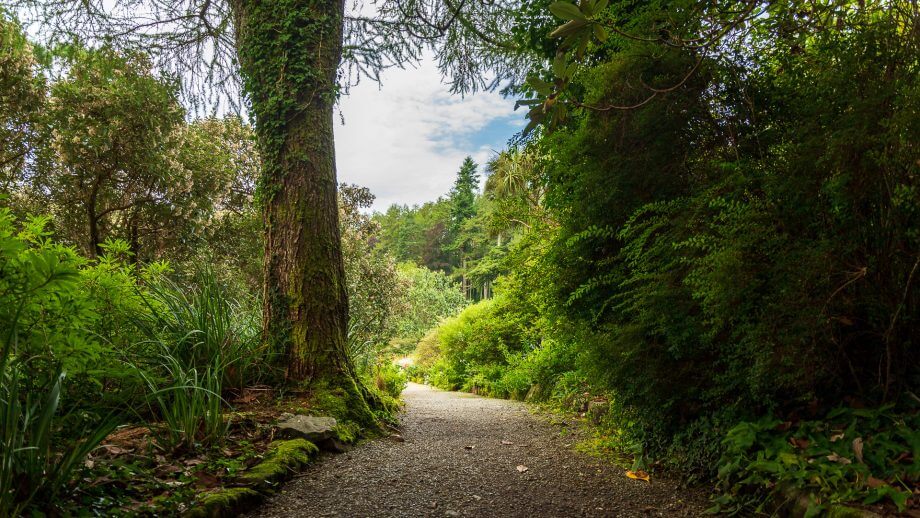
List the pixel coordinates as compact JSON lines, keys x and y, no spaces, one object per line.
{"x":289,"y":53}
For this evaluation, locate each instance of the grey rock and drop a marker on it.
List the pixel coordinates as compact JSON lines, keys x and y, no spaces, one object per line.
{"x":312,"y":428}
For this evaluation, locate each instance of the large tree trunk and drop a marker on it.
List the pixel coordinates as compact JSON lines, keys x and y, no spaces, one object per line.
{"x":289,"y":54}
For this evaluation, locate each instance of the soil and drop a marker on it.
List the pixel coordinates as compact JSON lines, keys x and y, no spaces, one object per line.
{"x":465,"y":455}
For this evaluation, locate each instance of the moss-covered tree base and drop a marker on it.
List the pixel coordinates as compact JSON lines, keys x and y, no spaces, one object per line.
{"x":353,"y":405}
{"x":230,"y":501}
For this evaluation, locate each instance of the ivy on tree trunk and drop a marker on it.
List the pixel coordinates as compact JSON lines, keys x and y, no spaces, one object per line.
{"x":289,"y":52}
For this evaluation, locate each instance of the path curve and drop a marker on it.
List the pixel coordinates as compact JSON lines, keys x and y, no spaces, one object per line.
{"x":454,"y":463}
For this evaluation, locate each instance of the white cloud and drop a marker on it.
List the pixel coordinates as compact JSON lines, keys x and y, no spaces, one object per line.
{"x":405,"y":140}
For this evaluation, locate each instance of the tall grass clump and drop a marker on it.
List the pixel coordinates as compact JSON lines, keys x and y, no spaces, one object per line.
{"x":207,"y":326}
{"x":187,"y":400}
{"x":34,"y":465}
{"x":201,"y":342}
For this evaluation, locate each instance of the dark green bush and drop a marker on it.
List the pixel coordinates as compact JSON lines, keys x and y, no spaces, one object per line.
{"x":45,"y":323}
{"x":849,"y":455}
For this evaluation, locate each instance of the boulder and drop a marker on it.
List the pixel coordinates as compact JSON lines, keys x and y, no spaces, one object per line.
{"x":312,"y":428}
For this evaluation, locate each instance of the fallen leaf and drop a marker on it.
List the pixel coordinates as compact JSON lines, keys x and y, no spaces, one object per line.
{"x":638,"y":475}
{"x":507,"y":443}
{"x":111,"y":449}
{"x":168,"y":468}
{"x":902,"y":456}
{"x":89,"y":463}
{"x":835,"y":438}
{"x":203,"y":479}
{"x":799,"y":443}
{"x":833,"y":457}
{"x":858,"y":449}
{"x":522,"y":468}
{"x":875,"y":482}
{"x":194,"y":462}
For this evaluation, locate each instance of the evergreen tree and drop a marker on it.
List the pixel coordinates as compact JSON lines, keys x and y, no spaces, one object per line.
{"x":462,"y":200}
{"x":463,"y":196}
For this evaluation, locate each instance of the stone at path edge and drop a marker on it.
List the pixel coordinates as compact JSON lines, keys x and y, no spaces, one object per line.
{"x":312,"y":428}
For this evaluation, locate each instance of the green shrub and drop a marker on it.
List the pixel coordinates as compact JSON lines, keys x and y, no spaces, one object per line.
{"x":390,"y":379}
{"x":486,"y":380}
{"x":44,"y":321}
{"x":427,"y":350}
{"x":431,"y":296}
{"x":538,"y":372}
{"x":201,"y":341}
{"x":851,"y":455}
{"x":446,"y":375}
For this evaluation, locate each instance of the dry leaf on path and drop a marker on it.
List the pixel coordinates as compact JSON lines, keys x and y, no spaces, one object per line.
{"x":522,"y":468}
{"x":638,"y":475}
{"x":507,"y":443}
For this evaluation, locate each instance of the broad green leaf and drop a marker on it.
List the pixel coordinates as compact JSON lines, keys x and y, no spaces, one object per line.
{"x":567,"y":11}
{"x":570,"y":70}
{"x":600,"y":33}
{"x":568,"y":28}
{"x":582,"y":46}
{"x":559,"y":66}
{"x":540,"y":86}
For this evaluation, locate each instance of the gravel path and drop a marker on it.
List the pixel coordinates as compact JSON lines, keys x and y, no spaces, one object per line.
{"x":460,"y":458}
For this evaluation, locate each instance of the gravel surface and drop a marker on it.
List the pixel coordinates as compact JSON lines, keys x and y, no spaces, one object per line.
{"x":460,"y":456}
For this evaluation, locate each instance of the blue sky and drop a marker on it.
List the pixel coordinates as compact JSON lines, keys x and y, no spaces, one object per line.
{"x":405,"y":138}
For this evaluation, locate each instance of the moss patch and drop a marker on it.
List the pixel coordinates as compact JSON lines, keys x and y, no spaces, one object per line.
{"x":229,"y":501}
{"x":347,"y":432}
{"x":282,"y":459}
